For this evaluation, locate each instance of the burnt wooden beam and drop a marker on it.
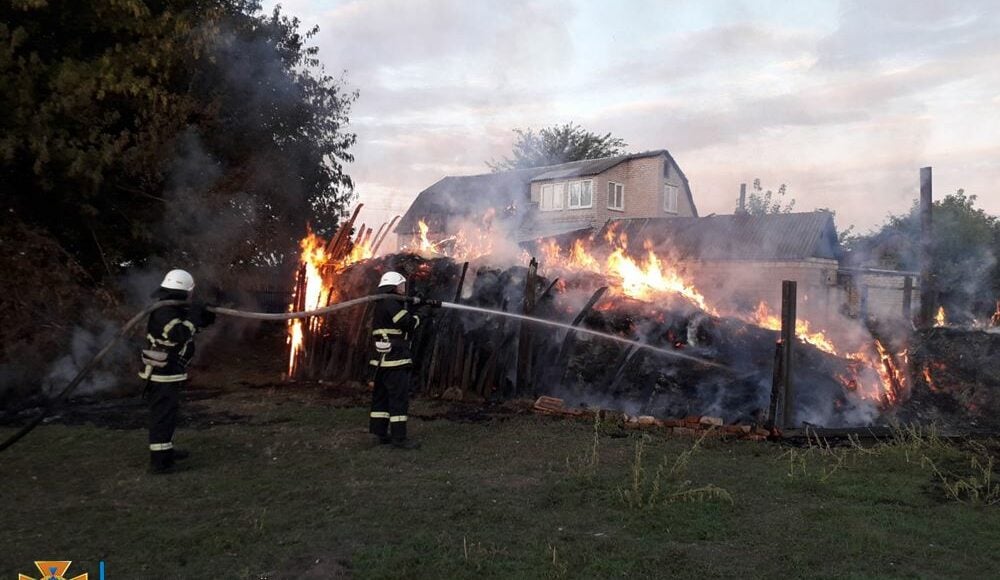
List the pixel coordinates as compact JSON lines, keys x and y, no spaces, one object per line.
{"x":788,"y":307}
{"x":777,"y":386}
{"x":548,"y":289}
{"x":342,"y":232}
{"x":461,"y":282}
{"x":388,"y":230}
{"x":908,"y":299}
{"x":524,"y":335}
{"x":927,"y":285}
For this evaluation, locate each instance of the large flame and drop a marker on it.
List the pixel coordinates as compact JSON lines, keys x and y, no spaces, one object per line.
{"x":315,"y":283}
{"x":469,"y":243}
{"x":874,"y":371}
{"x":940,"y":319}
{"x":647,"y":278}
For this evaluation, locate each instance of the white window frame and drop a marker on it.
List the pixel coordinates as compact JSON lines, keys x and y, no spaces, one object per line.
{"x":617,"y":190}
{"x":670,"y":194}
{"x":556,"y":194}
{"x":589,"y":184}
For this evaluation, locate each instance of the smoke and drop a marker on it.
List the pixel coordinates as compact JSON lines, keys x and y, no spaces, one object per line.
{"x":85,"y":343}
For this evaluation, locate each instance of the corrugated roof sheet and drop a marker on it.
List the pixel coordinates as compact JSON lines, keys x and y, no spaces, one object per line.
{"x":781,"y":237}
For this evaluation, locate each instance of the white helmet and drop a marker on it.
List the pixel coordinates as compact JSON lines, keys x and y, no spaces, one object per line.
{"x":178,"y":280}
{"x":391,"y":279}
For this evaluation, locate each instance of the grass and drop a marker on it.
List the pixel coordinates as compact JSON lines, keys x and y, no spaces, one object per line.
{"x":298,"y":491}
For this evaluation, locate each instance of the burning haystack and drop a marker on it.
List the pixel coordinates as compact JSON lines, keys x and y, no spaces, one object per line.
{"x":667,"y":352}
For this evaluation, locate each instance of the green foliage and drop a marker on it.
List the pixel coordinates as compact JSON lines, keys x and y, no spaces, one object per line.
{"x":558,"y":144}
{"x":198,"y":131}
{"x":764,"y":202}
{"x":964,"y":251}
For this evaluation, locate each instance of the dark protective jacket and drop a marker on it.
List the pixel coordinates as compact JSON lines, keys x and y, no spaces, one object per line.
{"x":171,"y":330}
{"x":391,"y":325}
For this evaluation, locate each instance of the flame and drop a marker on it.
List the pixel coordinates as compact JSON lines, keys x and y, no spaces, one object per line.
{"x":467,"y":244}
{"x":877,"y":376}
{"x":646,"y":279}
{"x":940,"y":319}
{"x":930,"y":380}
{"x":995,"y":319}
{"x":764,"y":318}
{"x":315,"y":283}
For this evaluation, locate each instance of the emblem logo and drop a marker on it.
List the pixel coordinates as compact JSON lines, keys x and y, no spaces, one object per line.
{"x":53,"y":570}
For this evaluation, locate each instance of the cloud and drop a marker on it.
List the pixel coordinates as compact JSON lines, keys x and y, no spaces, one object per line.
{"x":895,"y":30}
{"x":843,"y":109}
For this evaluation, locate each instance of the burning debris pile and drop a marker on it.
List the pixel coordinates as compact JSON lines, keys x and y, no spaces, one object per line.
{"x":956,"y":376}
{"x":682,"y":356}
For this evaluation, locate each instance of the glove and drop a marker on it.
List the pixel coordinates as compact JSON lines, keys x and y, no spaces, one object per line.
{"x":426,"y":302}
{"x":200,"y":315}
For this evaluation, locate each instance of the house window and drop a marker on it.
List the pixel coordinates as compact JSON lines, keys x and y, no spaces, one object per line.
{"x":616,"y":196}
{"x":581,"y":194}
{"x":552,"y":196}
{"x":670,"y":198}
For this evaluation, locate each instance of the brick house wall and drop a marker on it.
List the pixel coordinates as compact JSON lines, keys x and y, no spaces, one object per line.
{"x":643,"y":181}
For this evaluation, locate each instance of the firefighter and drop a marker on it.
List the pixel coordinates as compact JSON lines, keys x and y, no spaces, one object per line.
{"x":170,"y":333}
{"x":391,"y":324}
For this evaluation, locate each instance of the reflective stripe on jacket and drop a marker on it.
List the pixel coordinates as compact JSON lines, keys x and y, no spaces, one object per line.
{"x":391,"y":325}
{"x":170,"y":330}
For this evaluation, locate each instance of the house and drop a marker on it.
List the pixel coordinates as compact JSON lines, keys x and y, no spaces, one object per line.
{"x":738,"y":259}
{"x":557,"y":199}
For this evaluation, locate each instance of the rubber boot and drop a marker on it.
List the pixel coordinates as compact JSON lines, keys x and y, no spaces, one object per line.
{"x":161,"y":461}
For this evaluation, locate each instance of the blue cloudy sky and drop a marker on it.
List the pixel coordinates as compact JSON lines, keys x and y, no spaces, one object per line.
{"x":843,"y":101}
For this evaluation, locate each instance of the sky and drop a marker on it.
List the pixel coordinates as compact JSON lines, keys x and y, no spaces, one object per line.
{"x":842,"y":101}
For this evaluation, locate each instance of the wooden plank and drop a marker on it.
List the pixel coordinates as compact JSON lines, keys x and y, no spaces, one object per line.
{"x":788,"y":315}
{"x":523,"y":371}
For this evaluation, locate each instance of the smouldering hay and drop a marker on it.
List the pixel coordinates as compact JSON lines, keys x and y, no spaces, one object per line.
{"x":667,"y":485}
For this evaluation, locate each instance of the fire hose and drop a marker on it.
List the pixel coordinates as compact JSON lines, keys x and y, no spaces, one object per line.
{"x":54,"y":402}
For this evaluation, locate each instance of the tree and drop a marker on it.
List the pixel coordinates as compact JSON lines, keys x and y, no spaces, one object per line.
{"x":558,"y":144}
{"x":764,"y":202}
{"x":199,"y":131}
{"x":965,"y":251}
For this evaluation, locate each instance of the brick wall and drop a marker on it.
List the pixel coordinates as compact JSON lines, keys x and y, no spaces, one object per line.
{"x":643,"y":180}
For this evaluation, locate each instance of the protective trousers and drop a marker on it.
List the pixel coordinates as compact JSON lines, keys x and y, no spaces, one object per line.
{"x":164,"y":399}
{"x":390,"y":402}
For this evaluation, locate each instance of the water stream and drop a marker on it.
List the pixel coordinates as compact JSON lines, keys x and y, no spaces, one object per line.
{"x":570,"y":327}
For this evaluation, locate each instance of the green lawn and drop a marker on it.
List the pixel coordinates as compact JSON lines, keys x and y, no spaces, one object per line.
{"x":297,"y":490}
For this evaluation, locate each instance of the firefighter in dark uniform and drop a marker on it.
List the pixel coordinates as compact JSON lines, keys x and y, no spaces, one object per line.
{"x":170,"y":334}
{"x":391,"y":324}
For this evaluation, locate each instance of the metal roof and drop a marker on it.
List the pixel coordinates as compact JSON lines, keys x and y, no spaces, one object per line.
{"x":779,"y":237}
